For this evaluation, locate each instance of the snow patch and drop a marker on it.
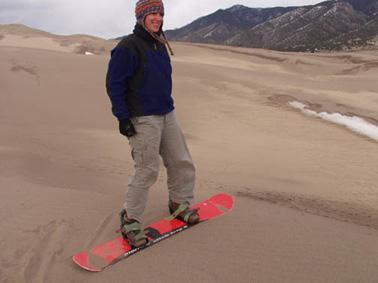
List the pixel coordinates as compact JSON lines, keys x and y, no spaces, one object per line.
{"x":209,"y":34}
{"x":88,"y":53}
{"x":353,"y":123}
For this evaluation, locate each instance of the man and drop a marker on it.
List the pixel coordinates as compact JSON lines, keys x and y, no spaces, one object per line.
{"x":139,"y":84}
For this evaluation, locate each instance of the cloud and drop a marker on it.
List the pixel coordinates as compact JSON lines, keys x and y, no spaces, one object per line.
{"x":112,"y":18}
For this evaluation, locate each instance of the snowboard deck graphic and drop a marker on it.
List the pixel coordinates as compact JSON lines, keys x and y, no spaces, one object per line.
{"x":105,"y":255}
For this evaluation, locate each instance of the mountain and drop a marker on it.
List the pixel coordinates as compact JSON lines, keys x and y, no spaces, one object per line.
{"x":316,"y":27}
{"x":329,"y":25}
{"x":368,"y":7}
{"x":223,"y":24}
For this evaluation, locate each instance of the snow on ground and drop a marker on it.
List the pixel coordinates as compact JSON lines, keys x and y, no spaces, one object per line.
{"x":353,"y":123}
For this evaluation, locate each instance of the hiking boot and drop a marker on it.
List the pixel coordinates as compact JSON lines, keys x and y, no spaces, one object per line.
{"x":182,"y":212}
{"x":132,"y":231}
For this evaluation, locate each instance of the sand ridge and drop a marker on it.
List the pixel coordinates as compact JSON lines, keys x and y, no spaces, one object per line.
{"x":23,"y":36}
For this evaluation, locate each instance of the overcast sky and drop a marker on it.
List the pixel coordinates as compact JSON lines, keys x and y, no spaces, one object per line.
{"x":111,"y":18}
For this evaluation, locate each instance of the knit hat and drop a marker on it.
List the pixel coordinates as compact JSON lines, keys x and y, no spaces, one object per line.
{"x":146,"y":7}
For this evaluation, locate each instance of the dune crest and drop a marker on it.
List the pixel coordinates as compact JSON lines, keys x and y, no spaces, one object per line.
{"x":22,"y":36}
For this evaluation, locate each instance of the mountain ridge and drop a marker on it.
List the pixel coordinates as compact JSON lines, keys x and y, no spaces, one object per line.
{"x":328,"y":25}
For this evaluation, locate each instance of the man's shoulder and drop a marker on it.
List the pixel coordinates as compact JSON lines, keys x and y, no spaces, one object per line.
{"x":126,"y":41}
{"x":131,"y":41}
{"x":127,"y":44}
{"x":132,"y":44}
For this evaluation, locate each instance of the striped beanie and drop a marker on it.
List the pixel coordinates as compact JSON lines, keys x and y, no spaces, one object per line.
{"x":146,"y":7}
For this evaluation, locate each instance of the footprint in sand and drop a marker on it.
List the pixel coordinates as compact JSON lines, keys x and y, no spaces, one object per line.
{"x":29,"y":69}
{"x":52,"y":239}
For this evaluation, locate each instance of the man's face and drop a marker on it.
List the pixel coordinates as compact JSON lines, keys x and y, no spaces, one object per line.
{"x":153,"y":22}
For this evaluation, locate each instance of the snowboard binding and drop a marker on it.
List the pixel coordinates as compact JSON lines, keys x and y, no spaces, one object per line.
{"x":132,"y":231}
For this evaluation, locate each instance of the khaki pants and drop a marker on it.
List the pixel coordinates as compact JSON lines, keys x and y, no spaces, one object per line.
{"x":158,"y":136}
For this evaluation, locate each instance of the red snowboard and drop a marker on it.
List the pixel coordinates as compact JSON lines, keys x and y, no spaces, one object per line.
{"x":105,"y":255}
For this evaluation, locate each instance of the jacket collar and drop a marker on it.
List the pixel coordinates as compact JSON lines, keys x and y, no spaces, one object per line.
{"x":141,"y":32}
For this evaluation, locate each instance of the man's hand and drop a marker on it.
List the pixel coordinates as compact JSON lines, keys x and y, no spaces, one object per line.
{"x":126,"y":128}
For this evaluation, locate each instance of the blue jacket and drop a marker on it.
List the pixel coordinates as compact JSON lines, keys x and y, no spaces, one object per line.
{"x":139,"y":78}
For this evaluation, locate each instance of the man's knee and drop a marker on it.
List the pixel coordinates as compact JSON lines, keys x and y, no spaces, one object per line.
{"x":144,"y":178}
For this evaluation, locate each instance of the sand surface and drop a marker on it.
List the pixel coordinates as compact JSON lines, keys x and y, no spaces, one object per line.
{"x":305,"y":189}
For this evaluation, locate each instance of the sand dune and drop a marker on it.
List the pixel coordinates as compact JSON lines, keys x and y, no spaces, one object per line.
{"x":306,"y":189}
{"x":22,"y":36}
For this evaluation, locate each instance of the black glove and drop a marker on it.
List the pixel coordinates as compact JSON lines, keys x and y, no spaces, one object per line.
{"x":126,"y":128}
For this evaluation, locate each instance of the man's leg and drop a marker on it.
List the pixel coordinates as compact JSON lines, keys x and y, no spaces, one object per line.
{"x":177,"y":160}
{"x":145,"y":151}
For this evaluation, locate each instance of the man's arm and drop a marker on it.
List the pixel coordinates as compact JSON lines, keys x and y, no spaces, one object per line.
{"x":122,"y":66}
